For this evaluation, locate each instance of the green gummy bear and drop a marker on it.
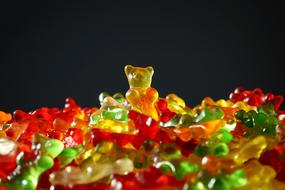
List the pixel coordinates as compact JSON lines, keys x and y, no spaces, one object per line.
{"x":266,"y":124}
{"x":115,"y":114}
{"x":262,"y":122}
{"x":118,"y":114}
{"x":208,"y":114}
{"x":267,"y":109}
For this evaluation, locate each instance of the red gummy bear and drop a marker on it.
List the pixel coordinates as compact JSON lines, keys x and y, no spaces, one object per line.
{"x":256,"y":97}
{"x":164,"y":113}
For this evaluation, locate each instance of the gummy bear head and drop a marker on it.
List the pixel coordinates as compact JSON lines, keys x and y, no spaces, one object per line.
{"x":139,"y":76}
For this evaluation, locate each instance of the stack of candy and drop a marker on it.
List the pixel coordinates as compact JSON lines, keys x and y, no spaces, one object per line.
{"x":143,"y":141}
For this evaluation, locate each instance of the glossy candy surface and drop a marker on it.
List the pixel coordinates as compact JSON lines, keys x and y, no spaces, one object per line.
{"x":143,"y":141}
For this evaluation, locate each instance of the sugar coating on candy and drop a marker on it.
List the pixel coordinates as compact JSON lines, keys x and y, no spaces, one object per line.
{"x":143,"y":141}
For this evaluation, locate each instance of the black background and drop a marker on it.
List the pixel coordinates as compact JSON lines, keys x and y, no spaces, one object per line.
{"x":50,"y":51}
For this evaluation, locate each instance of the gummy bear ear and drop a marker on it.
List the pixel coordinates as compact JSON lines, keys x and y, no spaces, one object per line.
{"x":150,"y":69}
{"x":128,"y":68}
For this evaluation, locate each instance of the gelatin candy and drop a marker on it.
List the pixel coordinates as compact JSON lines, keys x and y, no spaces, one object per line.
{"x":143,"y":141}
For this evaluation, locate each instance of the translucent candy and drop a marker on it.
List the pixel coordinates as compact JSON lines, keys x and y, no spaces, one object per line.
{"x":67,"y":155}
{"x":73,"y":137}
{"x":143,"y":141}
{"x":216,"y":144}
{"x":140,"y":95}
{"x":259,"y":176}
{"x":112,"y":116}
{"x":256,"y":97}
{"x":203,"y":130}
{"x":177,"y":104}
{"x":275,"y":158}
{"x":250,"y":149}
{"x":139,"y":76}
{"x":263,"y":122}
{"x":91,"y":173}
{"x":184,"y":168}
{"x":207,"y":114}
{"x":8,"y":154}
{"x":4,"y":117}
{"x":29,"y":174}
{"x":164,"y":113}
{"x":114,"y":126}
{"x":237,"y":179}
{"x":227,"y":104}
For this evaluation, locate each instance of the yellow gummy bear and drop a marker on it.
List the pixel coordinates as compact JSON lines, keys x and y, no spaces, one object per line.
{"x":91,"y":172}
{"x":140,"y":95}
{"x":249,"y":150}
{"x":260,"y":177}
{"x":177,"y":104}
{"x":227,"y":103}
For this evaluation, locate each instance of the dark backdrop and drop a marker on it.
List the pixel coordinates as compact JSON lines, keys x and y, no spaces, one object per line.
{"x":50,"y":51}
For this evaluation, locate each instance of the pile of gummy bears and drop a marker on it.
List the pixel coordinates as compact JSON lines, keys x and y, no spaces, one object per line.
{"x":143,"y":141}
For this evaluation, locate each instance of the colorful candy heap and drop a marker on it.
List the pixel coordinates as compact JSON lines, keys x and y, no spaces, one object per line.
{"x":142,"y":141}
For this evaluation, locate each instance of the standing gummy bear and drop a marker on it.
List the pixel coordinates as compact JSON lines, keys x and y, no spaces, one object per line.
{"x":140,"y":95}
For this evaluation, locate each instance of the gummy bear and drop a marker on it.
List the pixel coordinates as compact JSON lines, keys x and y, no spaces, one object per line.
{"x":147,"y":142}
{"x":262,"y":122}
{"x":91,"y":172}
{"x":140,"y":95}
{"x":250,"y":149}
{"x":261,"y":177}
